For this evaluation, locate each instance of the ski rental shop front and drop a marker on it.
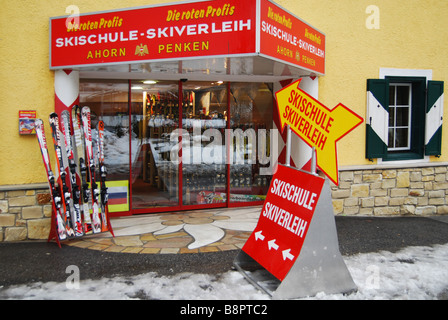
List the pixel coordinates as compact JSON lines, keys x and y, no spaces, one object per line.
{"x":186,"y":93}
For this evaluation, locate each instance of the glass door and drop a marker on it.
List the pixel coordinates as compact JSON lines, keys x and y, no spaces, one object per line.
{"x":154,"y":116}
{"x":252,"y":154}
{"x":204,"y":121}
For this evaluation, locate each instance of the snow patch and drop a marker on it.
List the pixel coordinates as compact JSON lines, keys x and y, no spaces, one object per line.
{"x":419,"y":273}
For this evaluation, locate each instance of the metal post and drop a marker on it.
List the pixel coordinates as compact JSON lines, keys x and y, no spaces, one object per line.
{"x":313,"y":161}
{"x":288,"y":146}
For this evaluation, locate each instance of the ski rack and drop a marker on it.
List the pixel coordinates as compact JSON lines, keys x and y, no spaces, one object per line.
{"x":53,"y":234}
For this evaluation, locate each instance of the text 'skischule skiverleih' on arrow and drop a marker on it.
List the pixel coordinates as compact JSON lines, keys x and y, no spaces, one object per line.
{"x":317,"y":125}
{"x":295,"y":241}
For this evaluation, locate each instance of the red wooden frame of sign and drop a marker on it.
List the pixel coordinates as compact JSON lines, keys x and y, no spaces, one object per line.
{"x":53,"y":228}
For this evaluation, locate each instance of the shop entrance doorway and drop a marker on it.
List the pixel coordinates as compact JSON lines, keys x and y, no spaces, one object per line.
{"x":154,"y":116}
{"x":175,"y":145}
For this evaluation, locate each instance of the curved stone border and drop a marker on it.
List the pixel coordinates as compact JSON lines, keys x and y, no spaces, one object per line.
{"x":174,"y":242}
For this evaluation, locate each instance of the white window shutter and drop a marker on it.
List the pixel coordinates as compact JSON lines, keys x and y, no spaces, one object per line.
{"x":377,"y":118}
{"x":434,"y":118}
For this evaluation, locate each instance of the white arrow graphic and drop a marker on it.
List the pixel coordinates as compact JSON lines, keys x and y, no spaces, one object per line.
{"x":272,"y":244}
{"x":287,"y":255}
{"x":259,"y":236}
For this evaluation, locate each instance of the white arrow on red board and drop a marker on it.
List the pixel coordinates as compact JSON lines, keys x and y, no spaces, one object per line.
{"x":272,"y":244}
{"x":287,"y":255}
{"x":259,"y":236}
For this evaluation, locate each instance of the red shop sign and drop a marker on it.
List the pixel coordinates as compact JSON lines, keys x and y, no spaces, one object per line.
{"x":277,"y":240}
{"x":186,"y":30}
{"x":285,"y":37}
{"x":191,"y":29}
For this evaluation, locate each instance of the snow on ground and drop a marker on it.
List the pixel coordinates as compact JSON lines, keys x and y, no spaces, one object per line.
{"x":413,"y":273}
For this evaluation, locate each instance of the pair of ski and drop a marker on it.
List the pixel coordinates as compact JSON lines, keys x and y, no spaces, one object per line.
{"x":71,"y":196}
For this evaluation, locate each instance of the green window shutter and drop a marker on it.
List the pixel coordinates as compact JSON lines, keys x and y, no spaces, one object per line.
{"x":434,"y":118}
{"x":377,"y":118}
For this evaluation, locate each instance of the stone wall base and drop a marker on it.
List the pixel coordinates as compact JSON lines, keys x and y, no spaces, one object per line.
{"x":386,"y":192}
{"x":25,"y":212}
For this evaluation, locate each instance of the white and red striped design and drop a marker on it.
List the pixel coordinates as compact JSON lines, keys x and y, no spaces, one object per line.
{"x":66,"y":89}
{"x":301,"y":152}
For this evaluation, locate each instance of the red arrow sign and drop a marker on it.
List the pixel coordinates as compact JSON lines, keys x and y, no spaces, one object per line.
{"x":284,"y":221}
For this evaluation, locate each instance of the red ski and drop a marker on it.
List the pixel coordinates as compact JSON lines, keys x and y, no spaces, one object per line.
{"x":54,"y":191}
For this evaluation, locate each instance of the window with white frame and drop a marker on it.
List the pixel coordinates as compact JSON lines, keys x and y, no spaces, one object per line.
{"x":400,"y":115}
{"x":404,"y":118}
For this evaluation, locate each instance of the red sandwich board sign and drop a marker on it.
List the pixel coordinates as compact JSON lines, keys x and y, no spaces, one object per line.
{"x":277,"y":240}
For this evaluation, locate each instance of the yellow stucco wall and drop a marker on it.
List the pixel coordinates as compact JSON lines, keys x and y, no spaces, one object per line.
{"x":412,"y":35}
{"x":26,"y":82}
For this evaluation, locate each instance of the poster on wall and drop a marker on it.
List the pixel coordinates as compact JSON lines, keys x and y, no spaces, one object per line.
{"x":26,"y":122}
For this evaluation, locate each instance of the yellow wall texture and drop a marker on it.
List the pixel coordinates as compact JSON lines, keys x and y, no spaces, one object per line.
{"x":26,"y":82}
{"x":412,"y":35}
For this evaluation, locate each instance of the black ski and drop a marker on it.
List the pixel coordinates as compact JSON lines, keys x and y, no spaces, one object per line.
{"x":103,"y":174}
{"x":82,"y":167}
{"x":73,"y":185}
{"x":86,"y":124}
{"x":65,"y":192}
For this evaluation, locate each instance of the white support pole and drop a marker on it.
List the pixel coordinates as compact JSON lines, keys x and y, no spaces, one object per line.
{"x":66,"y":89}
{"x":313,"y":161}
{"x":301,"y":152}
{"x":288,"y":146}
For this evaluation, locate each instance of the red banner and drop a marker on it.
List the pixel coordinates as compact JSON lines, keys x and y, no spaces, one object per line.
{"x":284,"y":221}
{"x":195,"y":29}
{"x":186,"y":30}
{"x":287,"y":38}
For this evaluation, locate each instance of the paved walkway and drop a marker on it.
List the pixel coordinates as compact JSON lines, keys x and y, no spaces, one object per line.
{"x":38,"y":261}
{"x":212,"y":230}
